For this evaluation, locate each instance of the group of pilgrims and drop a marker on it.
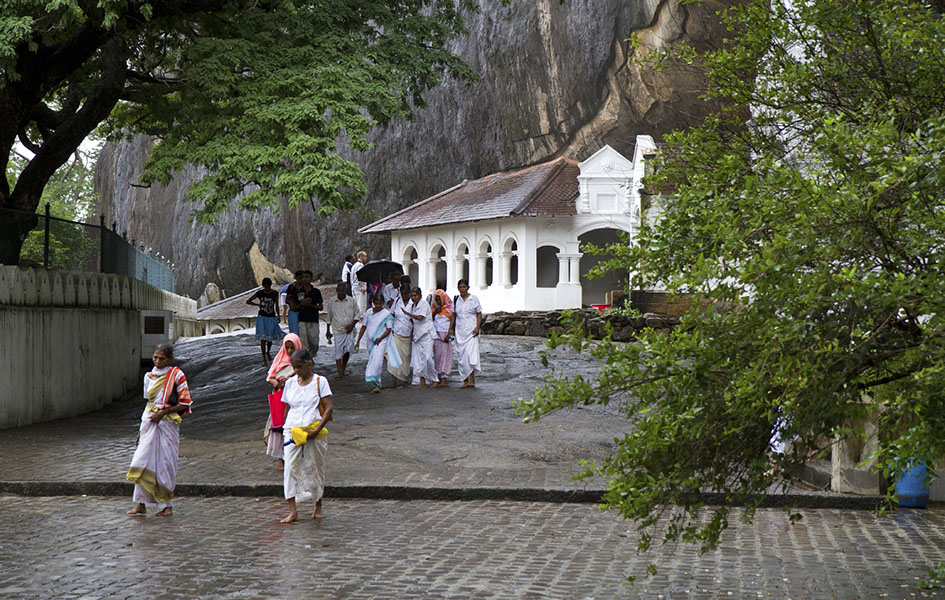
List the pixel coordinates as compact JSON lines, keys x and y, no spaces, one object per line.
{"x":411,"y":334}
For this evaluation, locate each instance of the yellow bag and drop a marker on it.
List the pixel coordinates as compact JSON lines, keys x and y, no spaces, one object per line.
{"x":300,"y":436}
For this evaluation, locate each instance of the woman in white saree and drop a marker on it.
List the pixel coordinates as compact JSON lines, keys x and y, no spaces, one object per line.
{"x":421,"y":352}
{"x":377,"y":322}
{"x":308,"y":407}
{"x":153,"y":467}
{"x":467,"y":320}
{"x":401,"y":334}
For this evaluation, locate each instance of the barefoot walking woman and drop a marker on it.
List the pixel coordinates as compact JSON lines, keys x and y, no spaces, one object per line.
{"x":401,"y":338}
{"x":279,"y":372}
{"x":308,"y":397}
{"x":421,"y":349}
{"x":467,"y":319}
{"x":442,"y":350}
{"x":377,"y":323}
{"x":267,"y":322}
{"x":154,"y":466}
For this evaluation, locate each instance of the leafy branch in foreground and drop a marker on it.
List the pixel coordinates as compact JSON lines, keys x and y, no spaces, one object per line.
{"x":808,"y":218}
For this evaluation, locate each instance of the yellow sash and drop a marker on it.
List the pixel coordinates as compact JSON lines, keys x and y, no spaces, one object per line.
{"x":153,"y":392}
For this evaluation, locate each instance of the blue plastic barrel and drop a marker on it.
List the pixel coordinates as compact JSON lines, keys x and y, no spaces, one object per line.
{"x":911,"y":488}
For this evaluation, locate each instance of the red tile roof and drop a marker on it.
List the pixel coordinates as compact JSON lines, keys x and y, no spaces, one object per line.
{"x":548,"y":189}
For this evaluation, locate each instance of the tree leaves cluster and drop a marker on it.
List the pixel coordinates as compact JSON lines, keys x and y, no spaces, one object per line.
{"x":808,"y":219}
{"x":259,"y":93}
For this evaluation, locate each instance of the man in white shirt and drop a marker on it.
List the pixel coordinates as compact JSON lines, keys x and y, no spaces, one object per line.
{"x":346,"y":272}
{"x":284,"y":304}
{"x":358,"y":287}
{"x":392,"y":289}
{"x":341,"y":315}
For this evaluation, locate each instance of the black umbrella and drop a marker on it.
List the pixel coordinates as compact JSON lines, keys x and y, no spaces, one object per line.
{"x":376,"y":271}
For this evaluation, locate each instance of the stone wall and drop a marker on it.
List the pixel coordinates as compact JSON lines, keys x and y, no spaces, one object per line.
{"x":541,"y":324}
{"x":70,"y":343}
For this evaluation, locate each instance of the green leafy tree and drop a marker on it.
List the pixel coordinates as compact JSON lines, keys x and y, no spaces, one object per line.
{"x":259,"y":92}
{"x":808,"y":218}
{"x":70,"y":195}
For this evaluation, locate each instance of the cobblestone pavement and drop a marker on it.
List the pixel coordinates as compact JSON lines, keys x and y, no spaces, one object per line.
{"x":86,"y":547}
{"x":58,"y":543}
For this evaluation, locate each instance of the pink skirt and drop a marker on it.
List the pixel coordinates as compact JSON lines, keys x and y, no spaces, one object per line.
{"x":442,"y":354}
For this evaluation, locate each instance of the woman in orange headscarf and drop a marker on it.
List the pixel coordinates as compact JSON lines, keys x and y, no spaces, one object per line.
{"x":279,"y":371}
{"x":442,"y":350}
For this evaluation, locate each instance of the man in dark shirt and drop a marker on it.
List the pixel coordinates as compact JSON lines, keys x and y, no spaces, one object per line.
{"x":309,"y":301}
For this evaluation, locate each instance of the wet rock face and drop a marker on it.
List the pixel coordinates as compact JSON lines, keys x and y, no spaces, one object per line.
{"x":555,"y":80}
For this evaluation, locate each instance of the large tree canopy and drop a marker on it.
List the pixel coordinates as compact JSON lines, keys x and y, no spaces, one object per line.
{"x":259,"y":92}
{"x":809,"y":218}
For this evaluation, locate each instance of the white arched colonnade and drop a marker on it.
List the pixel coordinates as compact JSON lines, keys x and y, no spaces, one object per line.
{"x":520,"y":249}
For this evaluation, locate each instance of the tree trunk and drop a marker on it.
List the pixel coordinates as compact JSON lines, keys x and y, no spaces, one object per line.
{"x":14,"y":227}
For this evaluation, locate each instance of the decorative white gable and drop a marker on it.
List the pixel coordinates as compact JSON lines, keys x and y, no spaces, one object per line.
{"x":605,"y":183}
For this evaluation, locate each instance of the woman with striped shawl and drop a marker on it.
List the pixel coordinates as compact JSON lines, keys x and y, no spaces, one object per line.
{"x":153,"y":468}
{"x":401,"y":338}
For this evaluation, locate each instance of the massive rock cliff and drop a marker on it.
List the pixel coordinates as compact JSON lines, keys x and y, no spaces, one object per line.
{"x":555,"y":80}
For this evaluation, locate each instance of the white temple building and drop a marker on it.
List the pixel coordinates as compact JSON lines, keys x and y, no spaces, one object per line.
{"x":516,"y":236}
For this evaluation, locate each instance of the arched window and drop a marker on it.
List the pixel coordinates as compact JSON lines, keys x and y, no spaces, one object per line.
{"x":485,"y":254}
{"x":510,"y":253}
{"x":438,"y":270}
{"x":462,"y":258}
{"x":594,"y":291}
{"x":411,"y":267}
{"x":546,"y":261}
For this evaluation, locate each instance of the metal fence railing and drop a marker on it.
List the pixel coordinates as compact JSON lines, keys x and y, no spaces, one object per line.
{"x":74,"y":246}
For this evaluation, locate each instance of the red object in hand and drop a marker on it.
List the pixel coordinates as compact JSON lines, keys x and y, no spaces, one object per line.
{"x":277,"y":408}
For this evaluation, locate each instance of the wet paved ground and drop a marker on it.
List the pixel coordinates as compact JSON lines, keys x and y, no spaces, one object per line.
{"x":413,"y":444}
{"x":432,"y":438}
{"x":77,"y":547}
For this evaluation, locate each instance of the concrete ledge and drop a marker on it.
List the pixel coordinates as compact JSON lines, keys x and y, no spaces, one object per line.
{"x":816,"y":476}
{"x":367,"y":492}
{"x":118,"y":488}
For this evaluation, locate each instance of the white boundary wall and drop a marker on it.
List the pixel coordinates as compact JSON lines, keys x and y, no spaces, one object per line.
{"x":70,"y":343}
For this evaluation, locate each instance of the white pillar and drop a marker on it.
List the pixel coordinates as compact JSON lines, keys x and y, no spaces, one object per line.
{"x":430,"y":277}
{"x":584,"y":199}
{"x":452,"y":277}
{"x":450,"y":273}
{"x":407,"y":263}
{"x":505,"y":269}
{"x":575,"y":276}
{"x":569,"y":268}
{"x":562,"y":269}
{"x":481,"y":270}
